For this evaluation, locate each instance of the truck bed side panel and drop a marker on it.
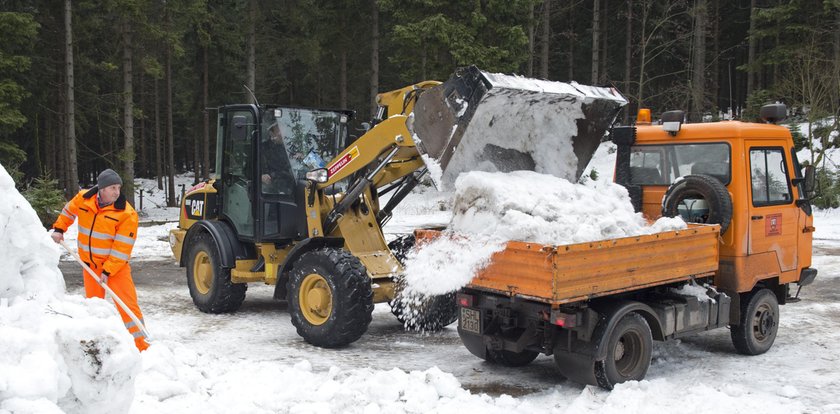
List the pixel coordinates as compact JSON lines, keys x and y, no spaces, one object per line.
{"x":562,"y":274}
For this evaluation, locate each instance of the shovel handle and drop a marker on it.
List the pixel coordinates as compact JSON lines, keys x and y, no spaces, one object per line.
{"x":108,"y":291}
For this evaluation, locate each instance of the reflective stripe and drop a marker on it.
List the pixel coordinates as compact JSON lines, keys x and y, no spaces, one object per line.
{"x":124,"y":239}
{"x":101,"y":236}
{"x":68,"y":214}
{"x":84,"y":230}
{"x":138,"y":334}
{"x":131,"y":324}
{"x":118,"y":255}
{"x":103,"y":252}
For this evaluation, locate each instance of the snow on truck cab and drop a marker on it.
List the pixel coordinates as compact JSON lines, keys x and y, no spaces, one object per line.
{"x":596,"y":307}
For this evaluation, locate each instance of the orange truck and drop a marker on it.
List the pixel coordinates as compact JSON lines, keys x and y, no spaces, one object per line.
{"x":597,"y":307}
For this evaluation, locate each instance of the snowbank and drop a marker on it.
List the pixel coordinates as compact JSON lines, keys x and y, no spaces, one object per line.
{"x":59,"y":353}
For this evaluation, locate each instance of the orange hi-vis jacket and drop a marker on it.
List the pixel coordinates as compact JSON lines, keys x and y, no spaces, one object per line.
{"x":106,"y":238}
{"x":106,"y":234}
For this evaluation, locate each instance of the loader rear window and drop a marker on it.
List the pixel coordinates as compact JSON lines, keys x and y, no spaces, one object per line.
{"x":663,"y":164}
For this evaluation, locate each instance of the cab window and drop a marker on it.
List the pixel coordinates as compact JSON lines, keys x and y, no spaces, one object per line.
{"x":768,"y":176}
{"x":663,"y":164}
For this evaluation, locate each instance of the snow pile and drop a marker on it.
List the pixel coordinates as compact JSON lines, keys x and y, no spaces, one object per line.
{"x":490,"y":209}
{"x":179,"y":380}
{"x":59,"y":353}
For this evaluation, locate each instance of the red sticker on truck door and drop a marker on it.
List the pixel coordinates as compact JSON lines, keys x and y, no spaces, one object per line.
{"x":773,"y":225}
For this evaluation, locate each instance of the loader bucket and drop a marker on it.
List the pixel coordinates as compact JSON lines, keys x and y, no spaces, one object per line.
{"x":492,"y":122}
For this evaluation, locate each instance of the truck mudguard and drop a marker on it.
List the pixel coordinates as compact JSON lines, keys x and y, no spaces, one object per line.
{"x":611,"y":312}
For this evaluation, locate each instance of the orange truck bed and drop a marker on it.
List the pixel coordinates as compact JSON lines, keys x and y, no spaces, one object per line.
{"x":575,"y":272}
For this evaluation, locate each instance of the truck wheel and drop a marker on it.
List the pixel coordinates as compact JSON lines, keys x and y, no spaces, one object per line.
{"x":510,"y":358}
{"x":759,"y":323}
{"x":429,"y":313}
{"x":702,"y":186}
{"x":330,"y":297}
{"x":210,"y":286}
{"x":628,"y":352}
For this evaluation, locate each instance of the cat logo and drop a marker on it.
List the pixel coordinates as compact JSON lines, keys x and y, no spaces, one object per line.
{"x":196,"y":208}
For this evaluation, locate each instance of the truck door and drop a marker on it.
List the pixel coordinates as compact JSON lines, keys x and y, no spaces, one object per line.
{"x":237,"y":128}
{"x":774,"y":218}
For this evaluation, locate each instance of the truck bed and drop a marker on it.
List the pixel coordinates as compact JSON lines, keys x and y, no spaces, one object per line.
{"x":570,"y":273}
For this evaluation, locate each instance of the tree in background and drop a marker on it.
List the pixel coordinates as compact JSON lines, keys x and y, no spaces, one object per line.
{"x":18,"y":31}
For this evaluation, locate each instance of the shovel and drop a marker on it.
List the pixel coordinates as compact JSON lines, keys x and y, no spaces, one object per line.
{"x":109,"y":292}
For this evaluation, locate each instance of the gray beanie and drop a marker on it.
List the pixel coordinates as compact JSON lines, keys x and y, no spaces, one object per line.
{"x":108,"y":177}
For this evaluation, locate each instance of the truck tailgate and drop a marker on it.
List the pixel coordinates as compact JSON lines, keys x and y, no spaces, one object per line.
{"x":570,"y":273}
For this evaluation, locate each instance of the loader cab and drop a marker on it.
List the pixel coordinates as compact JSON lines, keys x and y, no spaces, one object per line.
{"x":263,"y":154}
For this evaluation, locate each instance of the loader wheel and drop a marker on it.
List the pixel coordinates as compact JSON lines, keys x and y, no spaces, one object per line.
{"x":433,"y":312}
{"x":330,"y":297}
{"x":210,"y":286}
{"x":759,"y":323}
{"x":628,"y":352}
{"x":702,"y":186}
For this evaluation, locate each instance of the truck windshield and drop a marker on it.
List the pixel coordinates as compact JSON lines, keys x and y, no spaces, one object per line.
{"x":663,"y":164}
{"x":311,"y":137}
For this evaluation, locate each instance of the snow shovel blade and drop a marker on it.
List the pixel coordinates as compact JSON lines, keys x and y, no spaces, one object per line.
{"x":480,"y":121}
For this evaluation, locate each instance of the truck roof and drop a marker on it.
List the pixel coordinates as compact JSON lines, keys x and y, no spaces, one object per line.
{"x":730,"y":130}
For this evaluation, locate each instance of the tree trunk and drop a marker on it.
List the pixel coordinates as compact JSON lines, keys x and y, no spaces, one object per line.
{"x":142,"y":133}
{"x":71,"y":185}
{"x":596,"y":44}
{"x":374,"y":57}
{"x":714,"y":77}
{"x":158,"y":140}
{"x":546,"y":34}
{"x":628,"y":57}
{"x":570,"y":67}
{"x":531,"y":33}
{"x":170,"y":138}
{"x":251,"y":70}
{"x":642,"y":56}
{"x":128,"y":114}
{"x":751,"y":50}
{"x":698,"y":74}
{"x":605,"y":34}
{"x":205,"y":102}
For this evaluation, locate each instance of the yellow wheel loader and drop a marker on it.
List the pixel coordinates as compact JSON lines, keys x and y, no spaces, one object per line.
{"x":294,"y":204}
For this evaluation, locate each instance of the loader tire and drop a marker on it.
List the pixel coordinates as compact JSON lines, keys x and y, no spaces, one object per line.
{"x":702,"y":186}
{"x":759,"y":324}
{"x":330,"y":297}
{"x":210,"y":286}
{"x":433,"y":312}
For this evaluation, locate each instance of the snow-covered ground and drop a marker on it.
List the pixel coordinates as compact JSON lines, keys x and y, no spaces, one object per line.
{"x":253,"y":362}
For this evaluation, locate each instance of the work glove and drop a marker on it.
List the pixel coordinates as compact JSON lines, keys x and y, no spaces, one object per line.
{"x":104,"y":277}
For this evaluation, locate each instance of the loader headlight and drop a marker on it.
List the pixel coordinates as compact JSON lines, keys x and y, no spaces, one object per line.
{"x":319,"y":176}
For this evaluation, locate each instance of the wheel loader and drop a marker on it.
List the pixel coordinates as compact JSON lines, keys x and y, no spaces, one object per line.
{"x":295,"y":204}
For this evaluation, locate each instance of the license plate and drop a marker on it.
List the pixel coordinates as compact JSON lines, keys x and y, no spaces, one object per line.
{"x":470,"y":320}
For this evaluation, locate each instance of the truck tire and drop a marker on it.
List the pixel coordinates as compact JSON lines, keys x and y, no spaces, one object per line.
{"x":433,"y":312}
{"x":628,"y":352}
{"x":759,"y":323}
{"x":702,"y":186}
{"x":209,"y":283}
{"x":330,"y":297}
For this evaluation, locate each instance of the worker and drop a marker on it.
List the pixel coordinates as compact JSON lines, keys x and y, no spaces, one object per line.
{"x":107,"y":232}
{"x":276,"y":174}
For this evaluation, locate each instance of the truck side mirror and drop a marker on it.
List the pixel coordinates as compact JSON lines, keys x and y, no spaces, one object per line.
{"x":240,"y":129}
{"x":809,"y":174}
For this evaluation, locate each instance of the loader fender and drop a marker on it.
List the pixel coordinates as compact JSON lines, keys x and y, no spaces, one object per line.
{"x":611,"y":313}
{"x":230,"y":249}
{"x":300,"y":248}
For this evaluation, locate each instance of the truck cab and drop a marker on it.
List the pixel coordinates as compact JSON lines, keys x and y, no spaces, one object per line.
{"x":766,"y":234}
